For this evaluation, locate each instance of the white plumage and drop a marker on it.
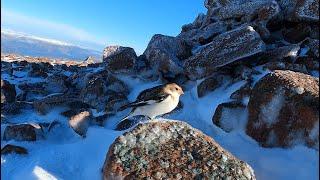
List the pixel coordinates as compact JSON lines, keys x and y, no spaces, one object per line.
{"x":155,"y":101}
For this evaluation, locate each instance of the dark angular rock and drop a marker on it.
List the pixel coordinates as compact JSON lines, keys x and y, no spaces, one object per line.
{"x":119,"y":59}
{"x":8,"y":92}
{"x":21,"y":132}
{"x":165,"y":54}
{"x":9,"y":148}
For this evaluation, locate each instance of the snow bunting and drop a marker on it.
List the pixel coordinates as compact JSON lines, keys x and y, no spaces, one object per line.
{"x":155,"y":101}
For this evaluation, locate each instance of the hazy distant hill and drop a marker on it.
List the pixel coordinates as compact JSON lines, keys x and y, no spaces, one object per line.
{"x":18,"y":43}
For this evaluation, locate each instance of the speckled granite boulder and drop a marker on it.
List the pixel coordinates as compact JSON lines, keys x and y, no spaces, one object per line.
{"x":171,"y":150}
{"x":224,"y":49}
{"x":284,"y":110}
{"x":119,"y":59}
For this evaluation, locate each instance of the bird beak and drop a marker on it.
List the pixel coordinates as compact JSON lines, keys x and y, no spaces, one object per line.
{"x":182,"y":92}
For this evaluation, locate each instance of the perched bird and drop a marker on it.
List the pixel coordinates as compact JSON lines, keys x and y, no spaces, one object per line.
{"x":155,"y":101}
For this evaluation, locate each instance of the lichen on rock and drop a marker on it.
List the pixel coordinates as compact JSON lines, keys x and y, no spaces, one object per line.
{"x":171,"y":150}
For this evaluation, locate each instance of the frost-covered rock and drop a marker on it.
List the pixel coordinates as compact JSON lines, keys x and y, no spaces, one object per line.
{"x":9,"y":148}
{"x":307,"y":10}
{"x":119,"y":59}
{"x":165,"y":54}
{"x":171,"y":150}
{"x":230,"y":115}
{"x":284,"y":110}
{"x":43,"y":105}
{"x":209,"y":85}
{"x":204,"y":34}
{"x":8,"y":92}
{"x":8,"y":98}
{"x":57,"y":83}
{"x":38,"y":70}
{"x":100,"y":88}
{"x":242,"y":93}
{"x":312,"y":46}
{"x":259,"y":10}
{"x":311,"y":64}
{"x":21,"y":132}
{"x":278,"y":54}
{"x":224,"y":49}
{"x":80,"y":122}
{"x":297,"y":32}
{"x":278,"y":65}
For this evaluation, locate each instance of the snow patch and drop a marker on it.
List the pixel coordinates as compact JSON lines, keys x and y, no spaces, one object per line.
{"x":270,"y":111}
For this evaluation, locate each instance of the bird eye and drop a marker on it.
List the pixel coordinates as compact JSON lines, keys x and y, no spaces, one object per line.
{"x":177,"y":89}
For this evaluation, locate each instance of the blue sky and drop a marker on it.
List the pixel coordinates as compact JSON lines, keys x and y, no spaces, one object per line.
{"x":98,"y":23}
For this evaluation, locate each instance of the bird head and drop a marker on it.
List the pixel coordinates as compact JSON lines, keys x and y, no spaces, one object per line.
{"x":173,"y":89}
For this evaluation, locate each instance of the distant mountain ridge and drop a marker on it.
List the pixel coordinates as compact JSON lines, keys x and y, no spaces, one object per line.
{"x":29,"y":45}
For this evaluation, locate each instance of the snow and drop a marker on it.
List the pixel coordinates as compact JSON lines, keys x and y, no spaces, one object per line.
{"x":233,"y":119}
{"x":63,"y":154}
{"x":32,"y":37}
{"x":270,"y":111}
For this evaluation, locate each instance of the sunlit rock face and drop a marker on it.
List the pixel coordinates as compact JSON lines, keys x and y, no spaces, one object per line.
{"x":284,"y":110}
{"x":173,"y":150}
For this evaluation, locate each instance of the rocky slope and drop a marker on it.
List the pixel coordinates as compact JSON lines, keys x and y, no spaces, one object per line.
{"x":249,"y":70}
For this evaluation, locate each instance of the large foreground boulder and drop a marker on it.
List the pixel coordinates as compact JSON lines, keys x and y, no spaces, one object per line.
{"x":284,"y":110}
{"x":171,"y":150}
{"x":224,"y":49}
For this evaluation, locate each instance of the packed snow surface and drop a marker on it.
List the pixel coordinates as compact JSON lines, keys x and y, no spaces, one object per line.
{"x":65,"y":155}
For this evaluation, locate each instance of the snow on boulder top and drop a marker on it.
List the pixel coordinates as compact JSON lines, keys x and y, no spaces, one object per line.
{"x":283,"y":110}
{"x":171,"y":150}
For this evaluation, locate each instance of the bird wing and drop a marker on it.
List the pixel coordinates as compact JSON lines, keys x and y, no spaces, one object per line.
{"x":148,"y":96}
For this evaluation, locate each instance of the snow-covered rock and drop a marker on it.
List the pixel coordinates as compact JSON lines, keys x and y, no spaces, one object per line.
{"x":171,"y":149}
{"x":230,"y":116}
{"x":284,"y":110}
